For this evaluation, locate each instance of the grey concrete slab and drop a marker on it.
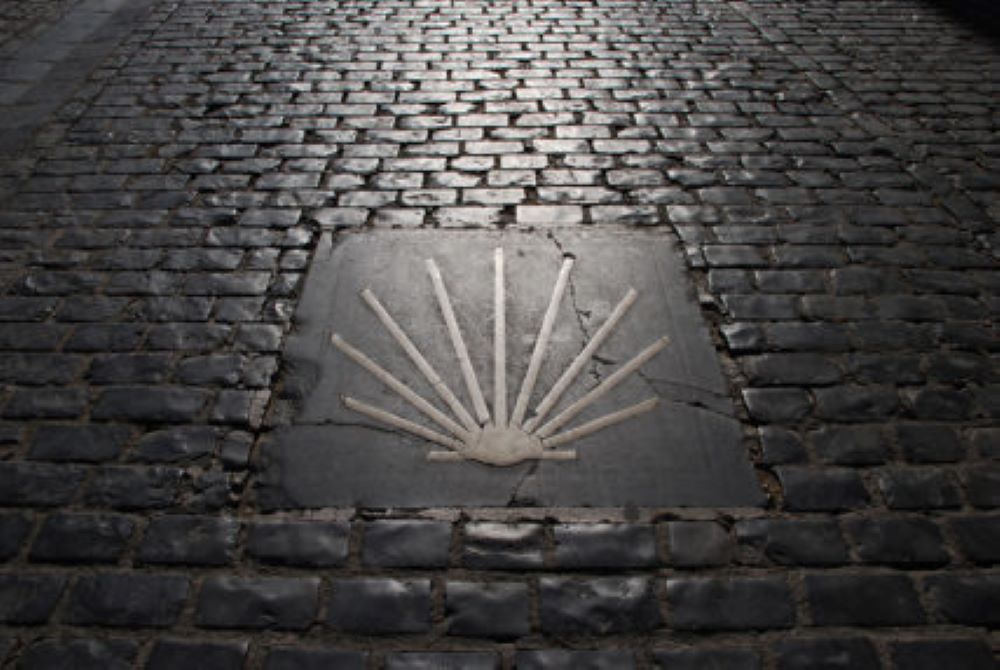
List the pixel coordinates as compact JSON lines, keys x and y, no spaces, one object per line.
{"x":687,"y":451}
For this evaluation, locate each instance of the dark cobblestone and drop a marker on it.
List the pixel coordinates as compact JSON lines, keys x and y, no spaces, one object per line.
{"x":899,"y":542}
{"x":38,"y":484}
{"x":85,"y":654}
{"x":791,"y":542}
{"x":79,"y":443}
{"x":692,"y":659}
{"x":380,"y":606}
{"x":455,"y":660}
{"x":863,"y":600}
{"x":827,"y":169}
{"x":738,"y":603}
{"x":604,"y":546}
{"x":129,"y":600}
{"x":493,"y":610}
{"x":559,"y":659}
{"x":13,"y":530}
{"x":130,"y":488}
{"x":313,"y":659}
{"x":313,"y":544}
{"x":278,"y":603}
{"x":827,"y":654}
{"x":82,"y":538}
{"x":503,"y":546}
{"x":695,"y":544}
{"x":168,"y":654}
{"x":189,"y":540}
{"x":923,"y":654}
{"x":598,"y":606}
{"x":919,"y":488}
{"x":972,"y":600}
{"x":828,"y":489}
{"x":406,"y":544}
{"x":27,"y":599}
{"x":978,"y":537}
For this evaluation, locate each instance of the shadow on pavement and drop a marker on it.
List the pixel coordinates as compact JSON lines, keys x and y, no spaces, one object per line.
{"x":981,"y":15}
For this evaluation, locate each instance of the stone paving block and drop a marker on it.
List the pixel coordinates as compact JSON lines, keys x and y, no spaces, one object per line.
{"x":28,"y":599}
{"x":498,"y":610}
{"x":88,"y":443}
{"x":405,"y":543}
{"x":445,"y":660}
{"x":851,"y":445}
{"x":692,"y":659}
{"x":972,"y":600}
{"x":261,"y":603}
{"x":822,"y":489}
{"x":863,"y":600}
{"x":134,"y":488}
{"x":922,"y":654}
{"x":554,"y":483}
{"x":189,"y":540}
{"x":919,"y":488}
{"x":694,"y":544}
{"x":978,"y":537}
{"x":791,"y":542}
{"x":827,"y":654}
{"x":169,"y":653}
{"x":38,"y":484}
{"x":559,"y":659}
{"x":176,"y":445}
{"x":380,"y":606}
{"x":604,"y":545}
{"x":982,"y":483}
{"x":503,"y":546}
{"x":291,"y":658}
{"x":85,"y":654}
{"x":298,"y":543}
{"x":14,"y":530}
{"x":161,"y":209}
{"x":737,"y":603}
{"x":900,"y":542}
{"x":82,"y":538}
{"x":597,"y":606}
{"x":150,"y":404}
{"x":127,"y":600}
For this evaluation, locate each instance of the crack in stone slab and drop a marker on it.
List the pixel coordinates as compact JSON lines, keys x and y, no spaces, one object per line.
{"x":514,"y":500}
{"x":581,"y":314}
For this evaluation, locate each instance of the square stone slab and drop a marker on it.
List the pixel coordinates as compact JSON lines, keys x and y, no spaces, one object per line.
{"x":686,"y":451}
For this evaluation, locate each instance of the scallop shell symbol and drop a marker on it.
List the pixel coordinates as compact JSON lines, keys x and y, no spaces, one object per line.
{"x":500,"y":438}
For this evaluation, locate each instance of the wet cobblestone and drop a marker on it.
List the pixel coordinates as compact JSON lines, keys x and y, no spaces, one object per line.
{"x":829,"y":170}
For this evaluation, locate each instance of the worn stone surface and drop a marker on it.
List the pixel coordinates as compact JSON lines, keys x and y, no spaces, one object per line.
{"x":86,"y":654}
{"x":407,"y":544}
{"x":822,"y":175}
{"x":597,"y":606}
{"x":493,"y":610}
{"x":703,"y":603}
{"x":312,"y":544}
{"x":827,"y":654}
{"x":82,"y":538}
{"x":610,"y":546}
{"x":123,"y":599}
{"x":623,"y":464}
{"x":282,"y":604}
{"x":380,"y":606}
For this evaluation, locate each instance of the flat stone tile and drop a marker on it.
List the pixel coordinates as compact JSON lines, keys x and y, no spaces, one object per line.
{"x":686,"y":451}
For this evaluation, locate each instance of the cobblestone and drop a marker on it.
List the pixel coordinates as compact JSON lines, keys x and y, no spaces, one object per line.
{"x":827,"y":169}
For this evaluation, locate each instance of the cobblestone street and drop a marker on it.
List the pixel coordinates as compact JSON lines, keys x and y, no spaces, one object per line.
{"x":172,"y":172}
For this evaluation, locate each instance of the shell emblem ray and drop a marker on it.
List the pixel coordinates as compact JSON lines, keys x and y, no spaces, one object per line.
{"x":505,"y":436}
